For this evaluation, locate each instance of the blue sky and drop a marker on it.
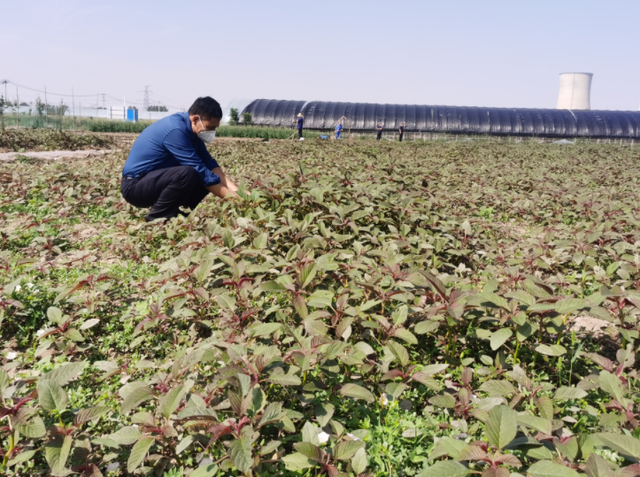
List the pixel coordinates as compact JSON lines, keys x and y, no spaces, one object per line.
{"x":473,"y":53}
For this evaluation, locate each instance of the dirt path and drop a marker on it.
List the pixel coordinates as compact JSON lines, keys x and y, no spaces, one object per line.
{"x":8,"y":156}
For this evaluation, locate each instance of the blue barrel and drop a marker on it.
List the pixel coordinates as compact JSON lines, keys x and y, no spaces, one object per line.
{"x":132,"y":115}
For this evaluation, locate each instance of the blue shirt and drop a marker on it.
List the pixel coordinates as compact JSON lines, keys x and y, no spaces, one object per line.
{"x":339,"y":127}
{"x":170,"y":142}
{"x":300,"y":122}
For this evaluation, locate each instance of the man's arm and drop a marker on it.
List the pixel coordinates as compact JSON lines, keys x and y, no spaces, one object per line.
{"x":225,"y":187}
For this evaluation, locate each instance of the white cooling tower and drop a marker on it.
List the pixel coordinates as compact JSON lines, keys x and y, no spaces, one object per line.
{"x":575,"y":91}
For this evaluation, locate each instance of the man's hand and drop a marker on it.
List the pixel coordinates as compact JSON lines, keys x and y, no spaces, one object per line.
{"x":221,"y":190}
{"x":224,"y":180}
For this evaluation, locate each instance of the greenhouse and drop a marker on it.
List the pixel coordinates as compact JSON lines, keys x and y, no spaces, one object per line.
{"x":363,"y":117}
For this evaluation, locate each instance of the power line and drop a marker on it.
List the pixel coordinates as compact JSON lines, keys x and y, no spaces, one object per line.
{"x":54,"y":94}
{"x":35,"y":90}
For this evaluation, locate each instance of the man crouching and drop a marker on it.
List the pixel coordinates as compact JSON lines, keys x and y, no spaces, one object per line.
{"x":169,"y":166}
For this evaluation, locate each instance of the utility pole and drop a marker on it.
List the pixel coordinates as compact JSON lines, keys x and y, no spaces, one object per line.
{"x":73,"y":107}
{"x":103,"y":101}
{"x":5,"y":88}
{"x":18,"y":106}
{"x":145,"y":102}
{"x":46,"y":108}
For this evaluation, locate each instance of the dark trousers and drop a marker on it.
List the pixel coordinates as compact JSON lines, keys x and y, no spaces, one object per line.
{"x":379,"y":135}
{"x":165,"y":190}
{"x":401,"y":137}
{"x":299,"y":132}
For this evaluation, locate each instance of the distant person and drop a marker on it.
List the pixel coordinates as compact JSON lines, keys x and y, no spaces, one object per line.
{"x":169,"y":166}
{"x":300,"y":124}
{"x":379,"y":131}
{"x":401,"y":131}
{"x":338,"y":130}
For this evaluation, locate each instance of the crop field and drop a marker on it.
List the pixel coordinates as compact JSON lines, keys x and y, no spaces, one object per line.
{"x":364,"y":309}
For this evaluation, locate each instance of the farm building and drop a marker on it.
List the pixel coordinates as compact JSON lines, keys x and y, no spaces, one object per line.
{"x":363,"y":117}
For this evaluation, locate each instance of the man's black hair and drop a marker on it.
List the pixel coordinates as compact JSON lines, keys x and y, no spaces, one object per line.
{"x":206,"y":107}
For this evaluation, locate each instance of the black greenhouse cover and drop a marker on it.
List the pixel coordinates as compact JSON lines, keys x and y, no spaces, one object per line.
{"x":448,"y":119}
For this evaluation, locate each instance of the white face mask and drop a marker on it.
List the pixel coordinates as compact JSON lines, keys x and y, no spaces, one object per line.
{"x":206,"y":136}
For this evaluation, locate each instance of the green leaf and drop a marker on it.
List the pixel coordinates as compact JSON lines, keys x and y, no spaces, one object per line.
{"x":399,"y":351}
{"x":611,"y":384}
{"x":125,"y":436}
{"x":310,"y":450}
{"x":65,"y":373}
{"x":324,"y":413}
{"x":51,"y":396}
{"x":4,"y":380}
{"x":405,"y":335}
{"x":535,"y":422}
{"x":569,"y":305}
{"x":139,"y":452}
{"x":22,"y":457}
{"x":432,"y":369}
{"x":395,"y":389}
{"x":297,"y":461}
{"x":170,"y":401}
{"x":447,"y":446}
{"x":289,"y":379}
{"x":205,"y":471}
{"x":345,"y":450}
{"x":443,"y":400}
{"x":56,"y":451}
{"x":426,"y":326}
{"x":134,"y":394}
{"x":598,"y":467}
{"x":226,"y":301}
{"x":300,"y":305}
{"x":547,"y":468}
{"x":269,"y":447}
{"x":501,"y":427}
{"x":500,"y":337}
{"x":33,"y":428}
{"x":240,"y":453}
{"x":553,"y":350}
{"x":522,"y":296}
{"x":272,"y":286}
{"x":357,"y":392}
{"x":264,"y":329}
{"x":569,"y":393}
{"x":261,"y":241}
{"x":628,"y":446}
{"x":498,"y":387}
{"x":74,"y":335}
{"x":494,"y":299}
{"x":359,"y":461}
{"x":89,"y":323}
{"x":310,"y":433}
{"x":89,"y":414}
{"x":272,"y":413}
{"x":228,"y":239}
{"x":55,"y":315}
{"x":307,"y":274}
{"x":448,"y":468}
{"x":184,"y":444}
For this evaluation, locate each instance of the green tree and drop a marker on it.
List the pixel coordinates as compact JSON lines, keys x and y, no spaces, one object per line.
{"x":246,"y":119}
{"x":3,"y":104}
{"x":234,"y":119}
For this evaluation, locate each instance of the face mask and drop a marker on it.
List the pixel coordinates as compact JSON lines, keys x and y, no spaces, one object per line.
{"x":206,"y":136}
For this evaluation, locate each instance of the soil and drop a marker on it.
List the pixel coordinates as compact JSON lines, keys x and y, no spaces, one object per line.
{"x":49,"y":155}
{"x":598,"y":328}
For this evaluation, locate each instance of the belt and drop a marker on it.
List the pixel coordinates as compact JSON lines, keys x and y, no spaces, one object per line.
{"x":129,"y":178}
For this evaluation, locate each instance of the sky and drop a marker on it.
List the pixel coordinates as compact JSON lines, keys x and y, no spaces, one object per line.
{"x":496,"y":53}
